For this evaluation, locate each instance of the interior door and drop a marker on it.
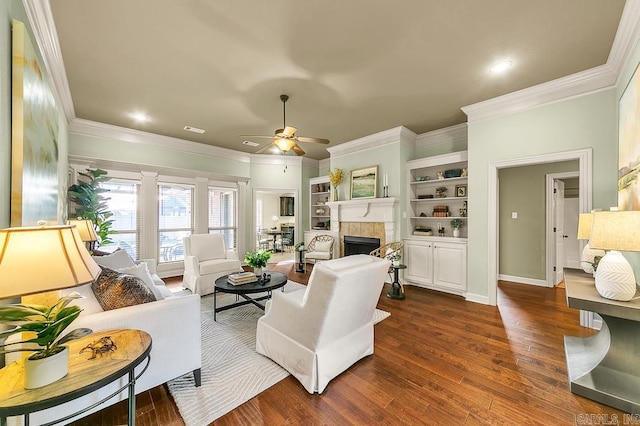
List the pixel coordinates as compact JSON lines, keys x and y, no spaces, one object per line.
{"x":572,"y":249}
{"x":558,"y":219}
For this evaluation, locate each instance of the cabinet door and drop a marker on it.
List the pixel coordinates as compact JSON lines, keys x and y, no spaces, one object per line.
{"x":418,"y":257}
{"x":450,"y":265}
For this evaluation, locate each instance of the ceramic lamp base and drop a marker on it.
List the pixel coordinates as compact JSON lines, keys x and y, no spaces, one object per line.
{"x":41,"y":372}
{"x":588,"y":257}
{"x":614,"y":277}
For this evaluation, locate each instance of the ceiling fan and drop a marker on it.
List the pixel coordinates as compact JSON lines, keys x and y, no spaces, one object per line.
{"x":285,"y":139}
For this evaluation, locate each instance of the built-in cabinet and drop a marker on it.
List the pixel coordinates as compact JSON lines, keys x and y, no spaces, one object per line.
{"x":436,"y":264}
{"x":435,"y":255}
{"x":319,"y":211}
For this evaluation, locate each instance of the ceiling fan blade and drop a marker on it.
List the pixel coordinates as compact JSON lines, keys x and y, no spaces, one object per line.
{"x":313,"y":140}
{"x":297,"y":150}
{"x":258,"y":136}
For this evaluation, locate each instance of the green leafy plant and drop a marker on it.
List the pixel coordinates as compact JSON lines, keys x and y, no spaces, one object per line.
{"x":457,"y":223}
{"x":258,"y":258}
{"x":595,"y":263}
{"x":299,"y":245}
{"x":90,"y":203}
{"x":47,"y":322}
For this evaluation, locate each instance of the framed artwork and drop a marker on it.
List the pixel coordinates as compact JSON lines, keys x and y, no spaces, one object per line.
{"x":461,"y":190}
{"x":34,"y":137}
{"x":364,"y":182}
{"x":629,"y":146}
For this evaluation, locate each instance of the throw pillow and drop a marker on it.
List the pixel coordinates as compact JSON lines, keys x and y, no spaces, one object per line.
{"x":142,"y":271}
{"x":323,"y":246}
{"x":115,"y":260}
{"x":115,"y":290}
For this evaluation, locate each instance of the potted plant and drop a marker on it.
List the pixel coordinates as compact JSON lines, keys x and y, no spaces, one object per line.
{"x":335,"y":177}
{"x":299,"y":246}
{"x":456,"y":224}
{"x":90,"y":203}
{"x":257,"y":260}
{"x":394,"y":257}
{"x":50,"y":359}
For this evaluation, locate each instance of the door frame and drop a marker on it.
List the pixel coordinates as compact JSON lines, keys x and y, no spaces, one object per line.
{"x":584,"y":157}
{"x":550,"y":213}
{"x":275,"y":191}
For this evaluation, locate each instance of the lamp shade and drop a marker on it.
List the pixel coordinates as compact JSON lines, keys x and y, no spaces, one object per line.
{"x":615,"y":230}
{"x":39,"y":259}
{"x":584,"y":225}
{"x":85,"y":229}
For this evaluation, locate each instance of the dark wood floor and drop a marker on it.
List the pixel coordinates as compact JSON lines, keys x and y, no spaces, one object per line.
{"x":438,"y":360}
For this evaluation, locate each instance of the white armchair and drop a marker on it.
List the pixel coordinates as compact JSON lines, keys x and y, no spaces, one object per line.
{"x":318,"y":332}
{"x":319,"y":248}
{"x":206,"y":259}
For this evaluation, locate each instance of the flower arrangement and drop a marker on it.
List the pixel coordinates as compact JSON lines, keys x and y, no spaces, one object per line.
{"x":258,"y":258}
{"x":457,"y":223}
{"x":336,"y":176}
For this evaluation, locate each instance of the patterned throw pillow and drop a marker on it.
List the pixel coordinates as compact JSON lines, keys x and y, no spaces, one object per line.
{"x":115,"y":290}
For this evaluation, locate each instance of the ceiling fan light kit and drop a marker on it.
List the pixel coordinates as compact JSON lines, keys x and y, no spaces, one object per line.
{"x":285,"y":139}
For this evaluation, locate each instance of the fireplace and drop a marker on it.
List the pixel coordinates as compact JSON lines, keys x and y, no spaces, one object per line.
{"x":359,"y":245}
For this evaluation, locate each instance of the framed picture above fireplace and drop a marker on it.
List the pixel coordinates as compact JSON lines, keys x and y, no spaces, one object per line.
{"x":364,"y":182}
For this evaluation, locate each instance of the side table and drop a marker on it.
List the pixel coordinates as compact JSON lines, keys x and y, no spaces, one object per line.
{"x":85,"y":376}
{"x":396,"y":289}
{"x":300,"y":263}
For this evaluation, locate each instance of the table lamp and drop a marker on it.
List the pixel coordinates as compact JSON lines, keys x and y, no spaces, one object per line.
{"x":86,"y":231}
{"x":589,"y":254}
{"x":44,"y":258}
{"x":615,"y":231}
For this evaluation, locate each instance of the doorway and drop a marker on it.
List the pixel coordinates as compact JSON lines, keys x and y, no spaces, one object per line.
{"x":585,"y":202}
{"x":275,"y":222}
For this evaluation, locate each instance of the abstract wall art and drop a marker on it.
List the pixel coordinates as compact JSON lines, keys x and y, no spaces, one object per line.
{"x":34,"y":138}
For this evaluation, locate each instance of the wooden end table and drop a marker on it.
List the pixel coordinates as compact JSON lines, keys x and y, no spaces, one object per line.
{"x":85,"y":376}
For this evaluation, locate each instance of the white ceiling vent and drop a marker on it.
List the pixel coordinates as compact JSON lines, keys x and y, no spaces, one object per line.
{"x":193,"y":129}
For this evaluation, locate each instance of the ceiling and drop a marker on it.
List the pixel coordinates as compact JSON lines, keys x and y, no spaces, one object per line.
{"x":351,"y":68}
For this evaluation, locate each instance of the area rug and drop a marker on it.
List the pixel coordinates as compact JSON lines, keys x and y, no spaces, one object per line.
{"x":232,"y":371}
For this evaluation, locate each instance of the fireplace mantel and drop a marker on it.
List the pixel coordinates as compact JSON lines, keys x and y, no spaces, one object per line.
{"x":365,"y":210}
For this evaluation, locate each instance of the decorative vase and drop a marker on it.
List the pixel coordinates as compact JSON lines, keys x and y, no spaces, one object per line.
{"x":41,"y":372}
{"x":456,"y":232}
{"x":395,"y":262}
{"x":257,"y":271}
{"x":334,"y":193}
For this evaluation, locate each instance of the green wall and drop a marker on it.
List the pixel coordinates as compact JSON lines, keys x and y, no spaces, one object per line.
{"x":587,"y":121}
{"x":522,"y":241}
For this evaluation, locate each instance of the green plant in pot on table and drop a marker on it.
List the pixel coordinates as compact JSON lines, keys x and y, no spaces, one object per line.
{"x":257,"y":259}
{"x":47,"y":323}
{"x":456,"y":224}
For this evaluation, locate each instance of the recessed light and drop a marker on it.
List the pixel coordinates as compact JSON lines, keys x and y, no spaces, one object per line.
{"x":500,"y":67}
{"x":139,"y":116}
{"x":193,"y":129}
{"x":250,"y":143}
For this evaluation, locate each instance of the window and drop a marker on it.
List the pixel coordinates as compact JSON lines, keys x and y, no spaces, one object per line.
{"x":175,"y":220}
{"x":123,"y":203}
{"x":222,"y":214}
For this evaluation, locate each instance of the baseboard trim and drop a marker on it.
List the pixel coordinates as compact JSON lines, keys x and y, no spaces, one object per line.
{"x":522,"y":280}
{"x":477,"y":298}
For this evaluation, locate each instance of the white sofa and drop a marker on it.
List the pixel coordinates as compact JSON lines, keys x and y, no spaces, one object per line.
{"x":174,"y":326}
{"x":318,"y":332}
{"x":206,"y":259}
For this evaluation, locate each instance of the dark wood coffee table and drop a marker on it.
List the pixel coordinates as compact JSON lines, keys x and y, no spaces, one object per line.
{"x":277,"y":280}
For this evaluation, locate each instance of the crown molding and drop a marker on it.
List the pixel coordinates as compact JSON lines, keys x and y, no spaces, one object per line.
{"x":46,"y":35}
{"x":376,"y":140}
{"x":96,"y":129}
{"x":446,"y":135}
{"x":626,"y":37}
{"x":590,"y":80}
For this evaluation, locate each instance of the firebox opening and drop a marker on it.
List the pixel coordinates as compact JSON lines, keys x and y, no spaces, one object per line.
{"x":360,"y":245}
